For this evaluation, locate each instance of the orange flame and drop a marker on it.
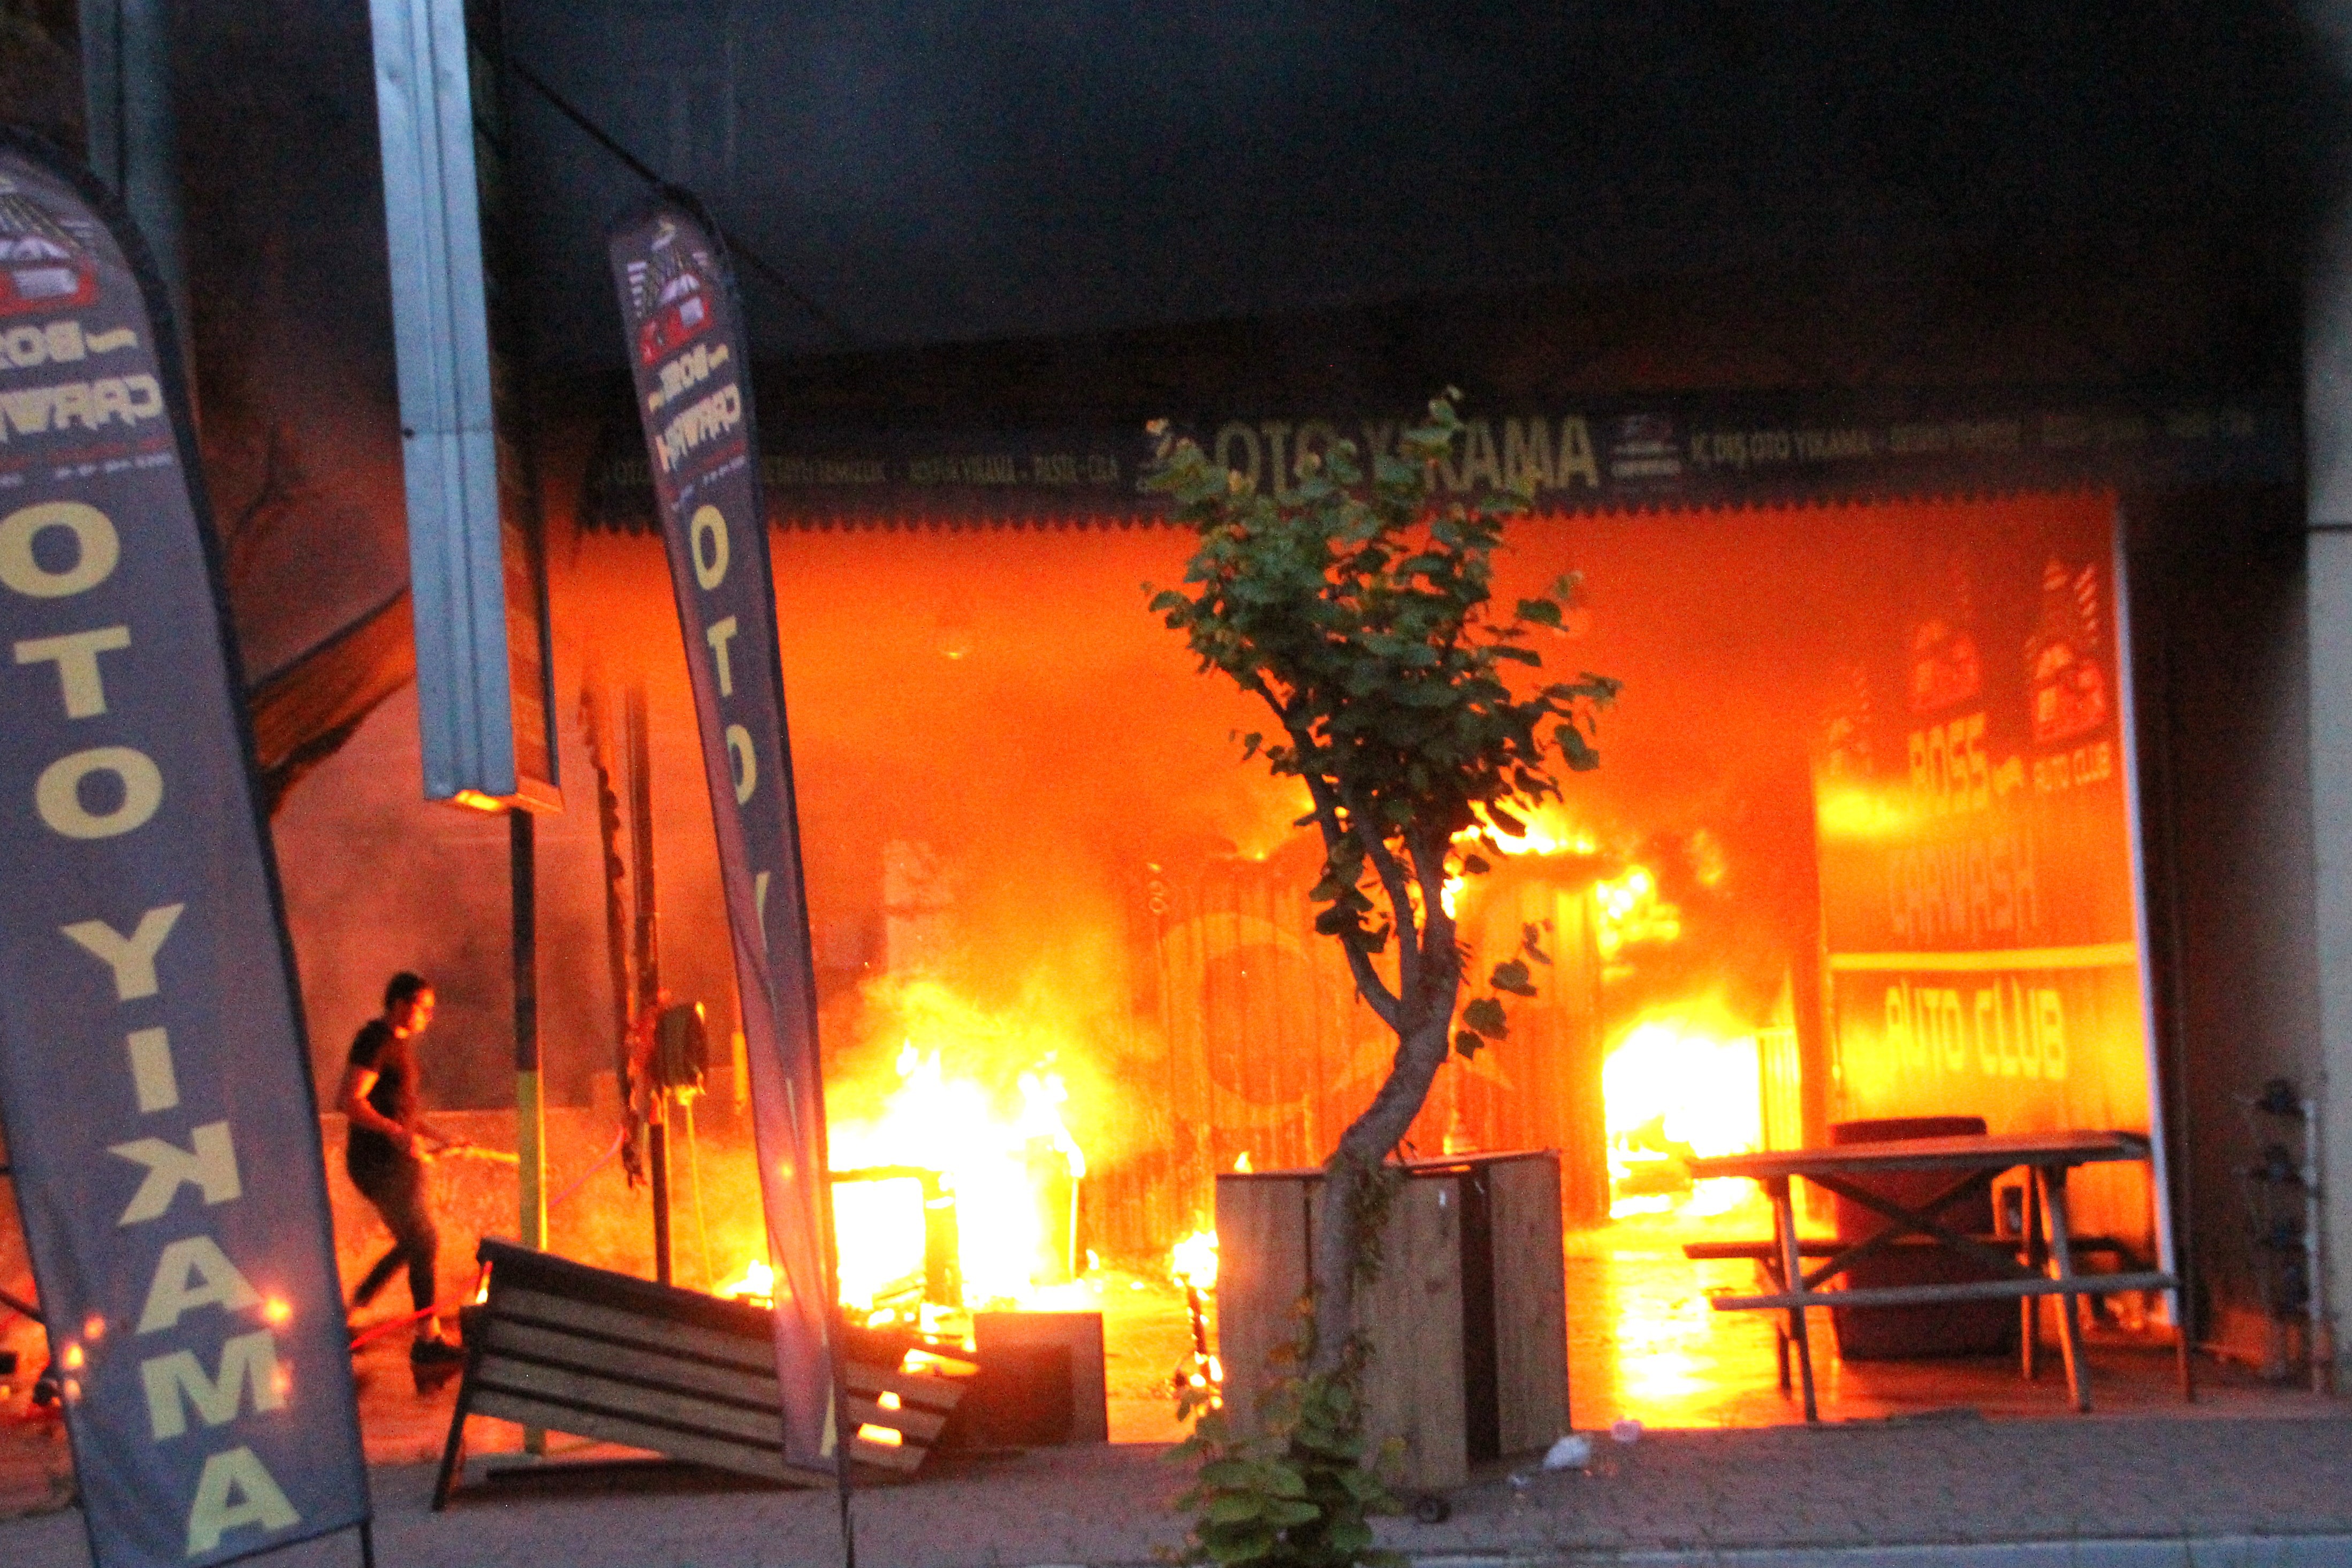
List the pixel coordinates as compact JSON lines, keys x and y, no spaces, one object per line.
{"x":1675,"y":1086}
{"x":1630,"y":910}
{"x":758,"y":1283}
{"x":1193,"y":1260}
{"x":1013,"y":1177}
{"x":1549,"y":832}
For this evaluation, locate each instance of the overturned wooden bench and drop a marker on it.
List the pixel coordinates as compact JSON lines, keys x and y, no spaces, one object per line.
{"x":560,"y":1345}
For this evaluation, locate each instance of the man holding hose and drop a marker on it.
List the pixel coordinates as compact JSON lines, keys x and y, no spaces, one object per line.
{"x":384,"y":1157}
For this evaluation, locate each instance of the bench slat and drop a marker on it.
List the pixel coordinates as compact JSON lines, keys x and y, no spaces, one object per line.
{"x":531,"y":1342}
{"x":1970,"y":1291}
{"x":742,"y":1458}
{"x":1830,"y":1246}
{"x":908,"y":1457}
{"x":589,"y":1317}
{"x":682,"y":1410}
{"x":939,"y":1394}
{"x":920,"y":1426}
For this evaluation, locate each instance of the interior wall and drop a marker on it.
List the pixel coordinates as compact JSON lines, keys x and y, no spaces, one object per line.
{"x":2221,"y":653}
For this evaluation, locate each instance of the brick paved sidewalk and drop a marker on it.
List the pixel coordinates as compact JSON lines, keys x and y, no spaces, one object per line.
{"x":1932,"y":1486}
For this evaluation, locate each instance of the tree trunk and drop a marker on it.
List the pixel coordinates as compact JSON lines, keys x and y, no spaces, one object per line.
{"x":1420,"y":1051}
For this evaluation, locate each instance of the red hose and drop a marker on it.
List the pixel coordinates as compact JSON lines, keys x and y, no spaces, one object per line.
{"x":380,"y":1330}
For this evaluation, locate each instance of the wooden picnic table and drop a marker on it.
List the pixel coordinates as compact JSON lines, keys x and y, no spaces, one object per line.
{"x":1974,"y":1160}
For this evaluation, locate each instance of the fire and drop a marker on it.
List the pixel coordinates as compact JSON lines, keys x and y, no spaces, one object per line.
{"x":1675,"y":1088}
{"x":1193,"y":1260}
{"x":1013,"y":1176}
{"x":1193,"y":1263}
{"x":757,"y":1284}
{"x":1630,"y":910}
{"x":1549,"y":832}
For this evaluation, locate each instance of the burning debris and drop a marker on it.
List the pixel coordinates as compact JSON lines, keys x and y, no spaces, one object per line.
{"x":1675,"y":1088}
{"x":1193,"y":1262}
{"x":951,"y":1197}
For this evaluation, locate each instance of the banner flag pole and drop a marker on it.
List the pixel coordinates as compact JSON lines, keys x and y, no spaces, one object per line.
{"x":690,"y":358}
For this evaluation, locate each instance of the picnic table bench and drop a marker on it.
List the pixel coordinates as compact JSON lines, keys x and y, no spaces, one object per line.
{"x":1973,"y":1161}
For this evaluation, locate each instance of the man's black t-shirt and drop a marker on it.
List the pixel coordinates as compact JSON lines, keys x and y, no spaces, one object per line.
{"x":393,"y":1095}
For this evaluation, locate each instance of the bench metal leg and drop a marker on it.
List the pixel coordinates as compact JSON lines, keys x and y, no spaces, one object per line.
{"x":453,"y":1452}
{"x":2028,"y":1308}
{"x":1768,"y":1269}
{"x":1784,"y":1226}
{"x":2061,"y":1259}
{"x":2181,"y":1347}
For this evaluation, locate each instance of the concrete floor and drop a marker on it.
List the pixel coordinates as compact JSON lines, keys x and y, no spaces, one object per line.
{"x":1643,"y":1345}
{"x":1952,"y":1493}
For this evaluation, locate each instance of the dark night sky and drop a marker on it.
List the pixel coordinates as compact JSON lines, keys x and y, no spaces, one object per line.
{"x":960,"y":170}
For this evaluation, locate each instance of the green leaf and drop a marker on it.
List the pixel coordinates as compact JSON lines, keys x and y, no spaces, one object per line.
{"x":1250,"y":1545}
{"x":1465,"y":1044}
{"x":1474,"y":866}
{"x":1486,"y":1016}
{"x":1543,"y":611}
{"x":1511,"y":975}
{"x":1235,"y":1508}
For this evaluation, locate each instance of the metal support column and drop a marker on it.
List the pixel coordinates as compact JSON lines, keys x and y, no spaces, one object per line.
{"x":531,"y":1118}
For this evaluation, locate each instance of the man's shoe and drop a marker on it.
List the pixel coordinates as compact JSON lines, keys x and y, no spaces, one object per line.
{"x":435,"y":1353}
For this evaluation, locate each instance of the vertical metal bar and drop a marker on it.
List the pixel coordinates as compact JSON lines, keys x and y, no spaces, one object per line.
{"x":424,"y":119}
{"x":1784,"y":1227}
{"x":100,"y":26}
{"x":531,"y":1121}
{"x":134,"y":136}
{"x":2318,"y":1345}
{"x":647,"y":936}
{"x":2177,"y":1102}
{"x":658,"y":1161}
{"x":2037,"y":1257}
{"x":2062,"y":1260}
{"x":531,"y":1130}
{"x":367,"y":1543}
{"x":594,"y":715}
{"x":694,"y":1178}
{"x":2172,"y":1250}
{"x":648,"y":944}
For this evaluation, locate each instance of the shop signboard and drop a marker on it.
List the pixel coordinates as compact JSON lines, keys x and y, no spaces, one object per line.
{"x":1974,"y":813}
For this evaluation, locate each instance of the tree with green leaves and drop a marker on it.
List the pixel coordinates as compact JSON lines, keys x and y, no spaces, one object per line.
{"x":1359,"y":611}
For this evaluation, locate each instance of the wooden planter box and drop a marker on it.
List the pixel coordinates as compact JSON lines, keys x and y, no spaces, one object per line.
{"x":1468,"y":1321}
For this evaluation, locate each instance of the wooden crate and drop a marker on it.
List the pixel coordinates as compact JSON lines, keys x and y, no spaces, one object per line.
{"x":1000,"y":1338}
{"x":1468,"y":1321}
